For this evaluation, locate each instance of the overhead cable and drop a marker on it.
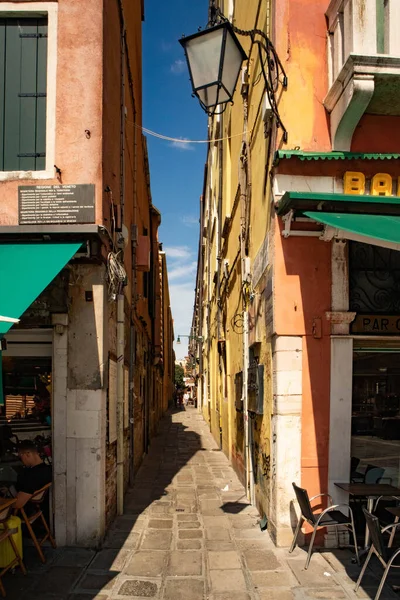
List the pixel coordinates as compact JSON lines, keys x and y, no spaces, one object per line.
{"x":185,"y":141}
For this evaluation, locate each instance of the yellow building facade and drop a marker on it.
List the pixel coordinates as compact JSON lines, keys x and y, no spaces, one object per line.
{"x":231,"y":309}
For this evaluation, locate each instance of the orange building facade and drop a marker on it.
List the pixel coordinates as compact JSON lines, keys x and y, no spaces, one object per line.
{"x":342,"y":67}
{"x":76,"y":209}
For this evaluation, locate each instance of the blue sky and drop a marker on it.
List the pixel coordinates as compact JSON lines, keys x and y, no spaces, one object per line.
{"x":176,"y":169}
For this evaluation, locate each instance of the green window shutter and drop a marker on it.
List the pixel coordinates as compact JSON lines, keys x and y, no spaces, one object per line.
{"x":11,"y":98}
{"x":25,"y":73}
{"x":42,"y":98}
{"x":380,"y":26}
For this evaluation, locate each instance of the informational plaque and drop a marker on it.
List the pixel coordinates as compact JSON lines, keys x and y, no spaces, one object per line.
{"x":43,"y":204}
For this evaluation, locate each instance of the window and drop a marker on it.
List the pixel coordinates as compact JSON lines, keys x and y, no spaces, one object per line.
{"x":23,"y":93}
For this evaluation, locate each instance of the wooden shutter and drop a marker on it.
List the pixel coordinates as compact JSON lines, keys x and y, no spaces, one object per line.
{"x":23,"y":84}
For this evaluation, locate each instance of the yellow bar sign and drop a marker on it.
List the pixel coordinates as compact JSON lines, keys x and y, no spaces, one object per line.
{"x":378,"y":324}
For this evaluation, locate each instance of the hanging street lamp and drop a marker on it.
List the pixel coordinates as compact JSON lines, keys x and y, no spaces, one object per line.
{"x":214,"y":58}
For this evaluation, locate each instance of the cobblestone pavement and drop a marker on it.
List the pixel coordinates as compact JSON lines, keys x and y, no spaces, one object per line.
{"x":188,"y":533}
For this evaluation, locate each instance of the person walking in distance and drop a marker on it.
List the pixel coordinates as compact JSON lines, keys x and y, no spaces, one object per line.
{"x":186,"y":398}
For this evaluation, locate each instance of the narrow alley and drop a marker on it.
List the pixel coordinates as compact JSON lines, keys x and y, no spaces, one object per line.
{"x":188,"y":533}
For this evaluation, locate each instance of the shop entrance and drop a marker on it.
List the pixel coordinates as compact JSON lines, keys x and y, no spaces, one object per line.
{"x":26,"y":409}
{"x":375,"y":429}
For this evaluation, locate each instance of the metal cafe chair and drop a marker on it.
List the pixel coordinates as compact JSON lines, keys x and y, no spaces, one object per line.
{"x":36,"y":500}
{"x":372,"y":474}
{"x":7,"y":533}
{"x":385,"y":554}
{"x":330,"y":517}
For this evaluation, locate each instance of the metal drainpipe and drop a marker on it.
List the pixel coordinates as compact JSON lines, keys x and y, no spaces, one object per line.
{"x":133,"y":310}
{"x":121,"y":298}
{"x":247,"y":327}
{"x":120,"y":401}
{"x":200,"y":317}
{"x":134,"y":241}
{"x":243,"y":202}
{"x":220,"y":197}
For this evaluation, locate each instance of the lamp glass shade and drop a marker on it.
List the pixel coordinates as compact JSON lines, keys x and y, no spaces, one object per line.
{"x":214,"y":58}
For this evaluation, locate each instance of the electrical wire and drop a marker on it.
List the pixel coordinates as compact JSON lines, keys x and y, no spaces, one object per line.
{"x":116,"y":275}
{"x":185,"y":141}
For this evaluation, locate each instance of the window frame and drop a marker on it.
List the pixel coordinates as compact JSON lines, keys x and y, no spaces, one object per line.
{"x":49,"y":10}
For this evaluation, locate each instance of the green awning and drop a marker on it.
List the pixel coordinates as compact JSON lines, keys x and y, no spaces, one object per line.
{"x":342,"y":203}
{"x":25,"y":271}
{"x":302,"y":155}
{"x":381,"y":227}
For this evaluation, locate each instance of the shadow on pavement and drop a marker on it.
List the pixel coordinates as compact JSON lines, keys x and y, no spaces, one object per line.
{"x":86,"y":574}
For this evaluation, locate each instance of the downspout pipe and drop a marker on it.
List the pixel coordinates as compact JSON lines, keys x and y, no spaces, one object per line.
{"x":200,"y":309}
{"x":244,"y":273}
{"x":127,"y":63}
{"x":121,"y":297}
{"x":120,"y":401}
{"x":220,"y":198}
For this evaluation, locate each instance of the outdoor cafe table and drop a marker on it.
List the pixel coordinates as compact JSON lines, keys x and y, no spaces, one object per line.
{"x":370,"y":491}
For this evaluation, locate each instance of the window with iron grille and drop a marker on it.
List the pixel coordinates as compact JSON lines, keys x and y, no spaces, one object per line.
{"x":23,"y":93}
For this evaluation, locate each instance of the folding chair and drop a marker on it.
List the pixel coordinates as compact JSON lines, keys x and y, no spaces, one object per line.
{"x":7,"y":533}
{"x":36,"y":500}
{"x":330,"y":517}
{"x":385,"y":555}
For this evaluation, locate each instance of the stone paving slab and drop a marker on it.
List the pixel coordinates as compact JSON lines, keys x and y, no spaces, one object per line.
{"x":189,"y":533}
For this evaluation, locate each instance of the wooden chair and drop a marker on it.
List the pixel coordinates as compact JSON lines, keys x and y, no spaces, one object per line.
{"x":330,"y":517}
{"x":7,"y":533}
{"x":36,"y":500}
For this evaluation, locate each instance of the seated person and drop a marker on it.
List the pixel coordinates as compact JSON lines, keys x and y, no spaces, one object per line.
{"x":35,"y":475}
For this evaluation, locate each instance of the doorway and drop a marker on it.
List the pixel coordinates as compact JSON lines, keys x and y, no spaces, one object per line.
{"x":375,"y":421}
